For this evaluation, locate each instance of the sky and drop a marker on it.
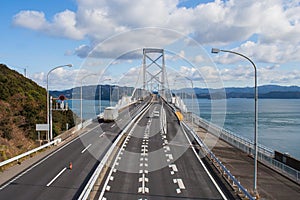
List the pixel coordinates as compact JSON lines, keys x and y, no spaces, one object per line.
{"x":40,"y":35}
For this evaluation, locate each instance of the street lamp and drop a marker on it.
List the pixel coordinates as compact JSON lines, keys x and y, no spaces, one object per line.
{"x":100,"y":95}
{"x":81,"y":118}
{"x":192,"y":97}
{"x":181,"y":90}
{"x":214,"y":50}
{"x":192,"y":83}
{"x":81,"y":113}
{"x":49,"y":112}
{"x":111,"y":94}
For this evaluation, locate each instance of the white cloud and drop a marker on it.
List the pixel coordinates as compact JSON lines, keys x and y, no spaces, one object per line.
{"x":206,"y":74}
{"x":62,"y":78}
{"x":268,"y":74}
{"x":241,"y":75}
{"x":219,"y":22}
{"x":267,"y":31}
{"x":180,"y":55}
{"x":199,"y":59}
{"x":276,"y":52}
{"x":30,"y":19}
{"x":63,"y":24}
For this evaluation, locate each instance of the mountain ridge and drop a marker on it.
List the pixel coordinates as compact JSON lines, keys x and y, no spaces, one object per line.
{"x":264,"y":91}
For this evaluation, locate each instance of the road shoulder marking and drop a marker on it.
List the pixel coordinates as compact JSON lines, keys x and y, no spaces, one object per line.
{"x":204,"y":167}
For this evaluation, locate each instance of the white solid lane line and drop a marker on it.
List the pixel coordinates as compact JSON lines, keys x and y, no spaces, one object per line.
{"x":62,"y":171}
{"x":204,"y":167}
{"x":86,"y":148}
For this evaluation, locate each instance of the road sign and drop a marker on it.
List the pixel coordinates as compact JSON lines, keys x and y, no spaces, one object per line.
{"x":62,"y":97}
{"x":42,"y":127}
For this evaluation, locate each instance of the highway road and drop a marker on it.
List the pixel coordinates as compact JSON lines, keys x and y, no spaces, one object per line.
{"x":155,"y":162}
{"x":51,"y":177}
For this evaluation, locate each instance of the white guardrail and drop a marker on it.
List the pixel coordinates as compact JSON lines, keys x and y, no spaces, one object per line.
{"x":88,"y":188}
{"x":16,"y":158}
{"x":55,"y":141}
{"x":265,"y":154}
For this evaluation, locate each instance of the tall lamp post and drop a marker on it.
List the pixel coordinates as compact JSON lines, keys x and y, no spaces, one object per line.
{"x":192,"y":98}
{"x":81,"y":113}
{"x":107,"y":79}
{"x":192,"y":83}
{"x":214,"y":50}
{"x":49,"y":112}
{"x":111,"y":93}
{"x":81,"y":118}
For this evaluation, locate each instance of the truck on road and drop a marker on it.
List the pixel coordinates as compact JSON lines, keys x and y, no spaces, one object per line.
{"x":110,"y":114}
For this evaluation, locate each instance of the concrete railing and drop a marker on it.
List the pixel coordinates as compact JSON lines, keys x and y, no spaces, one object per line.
{"x":265,"y":154}
{"x":16,"y":158}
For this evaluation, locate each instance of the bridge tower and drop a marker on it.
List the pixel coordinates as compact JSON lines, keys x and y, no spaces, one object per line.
{"x":154,"y":70}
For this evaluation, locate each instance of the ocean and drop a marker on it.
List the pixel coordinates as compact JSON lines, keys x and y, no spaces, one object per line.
{"x":278,"y":119}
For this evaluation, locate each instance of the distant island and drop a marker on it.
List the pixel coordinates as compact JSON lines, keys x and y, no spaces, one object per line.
{"x":264,"y":92}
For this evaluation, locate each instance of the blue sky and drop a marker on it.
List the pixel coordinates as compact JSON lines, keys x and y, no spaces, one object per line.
{"x":26,"y":48}
{"x":40,"y":35}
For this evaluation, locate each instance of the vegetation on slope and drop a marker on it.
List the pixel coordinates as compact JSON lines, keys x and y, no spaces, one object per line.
{"x":22,"y":106}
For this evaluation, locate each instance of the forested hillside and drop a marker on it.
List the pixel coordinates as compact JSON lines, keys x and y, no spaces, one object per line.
{"x":22,"y":106}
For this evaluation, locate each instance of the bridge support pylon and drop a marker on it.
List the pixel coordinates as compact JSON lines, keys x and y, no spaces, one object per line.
{"x":154,"y":70}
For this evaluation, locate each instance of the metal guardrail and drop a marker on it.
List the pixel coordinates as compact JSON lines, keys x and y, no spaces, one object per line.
{"x":225,"y":172}
{"x":57,"y":140}
{"x":16,"y":158}
{"x":89,"y":186}
{"x":236,"y":140}
{"x":265,"y":154}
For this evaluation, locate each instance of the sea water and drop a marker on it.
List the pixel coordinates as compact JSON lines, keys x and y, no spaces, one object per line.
{"x":278,"y":121}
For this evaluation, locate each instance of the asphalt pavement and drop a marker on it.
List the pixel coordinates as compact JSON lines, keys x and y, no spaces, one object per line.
{"x":154,"y":164}
{"x":52,"y":178}
{"x":155,"y":161}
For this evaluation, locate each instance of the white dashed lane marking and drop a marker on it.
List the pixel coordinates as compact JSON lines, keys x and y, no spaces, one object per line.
{"x":180,"y":184}
{"x":86,"y":148}
{"x":62,"y":171}
{"x":174,"y":169}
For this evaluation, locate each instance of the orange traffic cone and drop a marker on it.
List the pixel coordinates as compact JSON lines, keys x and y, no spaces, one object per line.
{"x":70,"y":165}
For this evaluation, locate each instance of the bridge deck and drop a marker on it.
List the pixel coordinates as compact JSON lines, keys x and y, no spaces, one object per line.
{"x":271,"y":185}
{"x":153,"y":165}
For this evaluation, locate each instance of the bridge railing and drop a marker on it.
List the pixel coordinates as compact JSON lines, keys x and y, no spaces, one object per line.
{"x":234,"y":139}
{"x":265,"y":154}
{"x":224,"y":171}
